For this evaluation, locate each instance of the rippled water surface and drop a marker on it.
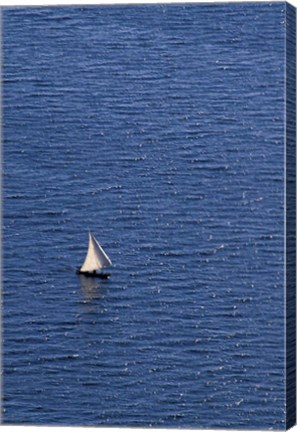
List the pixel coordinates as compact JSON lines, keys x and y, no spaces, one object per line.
{"x":160,"y":128}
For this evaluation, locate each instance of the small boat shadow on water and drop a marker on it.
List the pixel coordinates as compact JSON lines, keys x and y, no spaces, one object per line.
{"x":92,"y":289}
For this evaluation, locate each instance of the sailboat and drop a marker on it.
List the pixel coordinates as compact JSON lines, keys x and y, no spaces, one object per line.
{"x":96,"y":259}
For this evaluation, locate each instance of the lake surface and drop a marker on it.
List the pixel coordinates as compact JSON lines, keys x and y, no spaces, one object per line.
{"x":161,"y":129}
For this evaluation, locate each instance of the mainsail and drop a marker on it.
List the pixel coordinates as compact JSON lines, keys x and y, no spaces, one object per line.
{"x":96,"y":257}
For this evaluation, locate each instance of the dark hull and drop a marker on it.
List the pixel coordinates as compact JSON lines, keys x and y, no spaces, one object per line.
{"x":94,"y":274}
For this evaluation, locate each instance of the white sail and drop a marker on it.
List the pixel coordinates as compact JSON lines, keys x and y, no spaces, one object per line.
{"x":96,"y":257}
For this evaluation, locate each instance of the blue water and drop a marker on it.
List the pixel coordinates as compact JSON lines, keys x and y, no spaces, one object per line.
{"x":160,"y":128}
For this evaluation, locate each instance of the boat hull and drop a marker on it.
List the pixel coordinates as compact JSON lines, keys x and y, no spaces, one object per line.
{"x":93,"y":274}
